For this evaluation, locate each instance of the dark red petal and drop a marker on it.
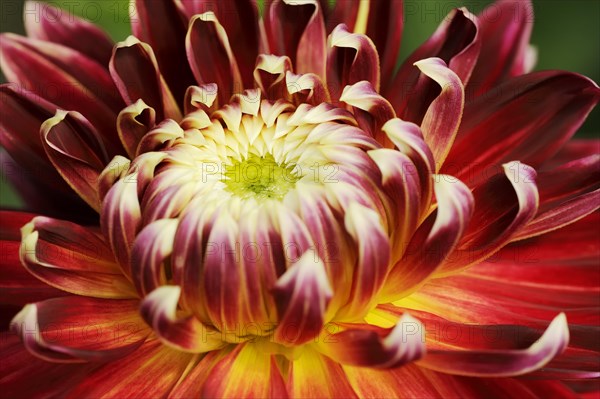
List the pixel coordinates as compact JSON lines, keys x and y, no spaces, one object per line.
{"x":161,"y":26}
{"x":297,"y":29}
{"x":46,"y":22}
{"x":528,"y":118}
{"x":505,"y":29}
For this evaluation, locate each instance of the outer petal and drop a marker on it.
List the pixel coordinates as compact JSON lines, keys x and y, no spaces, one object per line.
{"x":161,"y":26}
{"x":134,"y":69}
{"x":456,"y":42}
{"x":505,"y":29}
{"x":269,"y":74}
{"x":45,"y":22}
{"x":502,"y":363}
{"x":182,"y":333}
{"x":76,"y":151}
{"x":72,"y":258}
{"x":302,"y":294}
{"x":248,"y":371}
{"x":434,"y":240}
{"x":528,"y":118}
{"x":498,"y":216}
{"x":65,"y":77}
{"x":208,"y":46}
{"x":296,"y":29}
{"x":78,"y":329}
{"x":151,"y":371}
{"x":368,"y":348}
{"x":133,"y":123}
{"x":28,"y":167}
{"x":351,"y":58}
{"x":313,"y":375}
{"x":240,"y":20}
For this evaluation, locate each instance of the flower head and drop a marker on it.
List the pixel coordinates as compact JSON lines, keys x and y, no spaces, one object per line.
{"x":236,"y":206}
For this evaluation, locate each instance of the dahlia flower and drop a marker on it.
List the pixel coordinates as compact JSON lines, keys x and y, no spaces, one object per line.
{"x":228,"y":205}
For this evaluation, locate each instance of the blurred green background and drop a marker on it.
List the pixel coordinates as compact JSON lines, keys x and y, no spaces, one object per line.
{"x":566,"y":34}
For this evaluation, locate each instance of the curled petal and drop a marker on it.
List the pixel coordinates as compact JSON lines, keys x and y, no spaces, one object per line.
{"x":307,"y":88}
{"x":302,"y":294}
{"x":502,"y":363}
{"x":161,"y":25}
{"x":200,"y":98}
{"x":377,"y":110}
{"x":208,"y":46}
{"x":152,"y":246}
{"x":117,"y":168}
{"x":67,"y":78}
{"x":77,"y":152}
{"x":162,"y":133}
{"x":159,"y":310}
{"x":366,"y":347}
{"x":72,"y":258}
{"x":365,"y":228}
{"x":133,"y":123}
{"x":77,"y":329}
{"x":351,"y":58}
{"x":135,"y":72}
{"x":270,"y":73}
{"x":434,"y":240}
{"x":296,"y":28}
{"x":441,"y":121}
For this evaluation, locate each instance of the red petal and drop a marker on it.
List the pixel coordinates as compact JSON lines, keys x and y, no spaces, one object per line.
{"x":208,"y":46}
{"x":527,"y":118}
{"x":65,"y":77}
{"x":296,"y":29}
{"x":369,"y":348}
{"x":302,"y":294}
{"x":505,"y":29}
{"x":151,"y":371}
{"x":45,"y":22}
{"x":78,"y":329}
{"x":72,"y":258}
{"x":161,"y":26}
{"x":134,"y":69}
{"x":76,"y":151}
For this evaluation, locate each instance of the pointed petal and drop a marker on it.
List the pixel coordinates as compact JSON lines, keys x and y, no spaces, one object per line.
{"x":503,"y":206}
{"x":159,"y":310}
{"x":72,"y":258}
{"x":369,"y":348}
{"x":76,"y":151}
{"x":351,"y":58}
{"x":245,"y":372}
{"x":502,"y":363}
{"x":296,"y":29}
{"x":161,"y":26}
{"x":528,"y":118}
{"x":135,"y":72}
{"x":78,"y":329}
{"x":373,"y":247}
{"x":240,"y":20}
{"x":457,"y":43}
{"x":152,"y":371}
{"x":65,"y":77}
{"x":434,"y":240}
{"x":27,"y":166}
{"x":46,"y":22}
{"x":505,"y":29}
{"x":442,"y":119}
{"x":208,"y":46}
{"x":302,"y":294}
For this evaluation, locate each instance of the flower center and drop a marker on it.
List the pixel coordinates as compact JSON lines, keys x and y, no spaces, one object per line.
{"x":259,"y":177}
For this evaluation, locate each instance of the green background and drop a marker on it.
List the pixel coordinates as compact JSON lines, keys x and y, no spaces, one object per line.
{"x":566,"y":34}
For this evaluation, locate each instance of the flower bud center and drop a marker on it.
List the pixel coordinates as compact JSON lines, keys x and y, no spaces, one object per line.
{"x":259,"y":177}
